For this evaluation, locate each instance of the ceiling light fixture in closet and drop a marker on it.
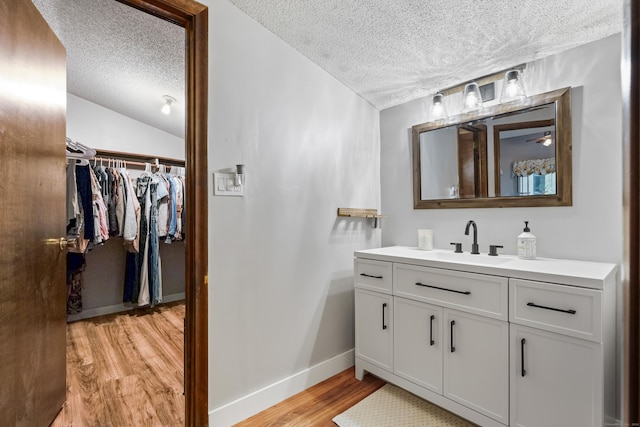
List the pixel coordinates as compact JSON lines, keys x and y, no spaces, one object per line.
{"x":168,"y":100}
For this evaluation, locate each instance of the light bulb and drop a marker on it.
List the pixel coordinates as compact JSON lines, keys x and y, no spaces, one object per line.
{"x":513,"y":86}
{"x":166,"y":108}
{"x":471,"y":98}
{"x":438,"y":111}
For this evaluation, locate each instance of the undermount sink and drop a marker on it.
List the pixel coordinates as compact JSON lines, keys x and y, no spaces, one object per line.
{"x":482,"y":259}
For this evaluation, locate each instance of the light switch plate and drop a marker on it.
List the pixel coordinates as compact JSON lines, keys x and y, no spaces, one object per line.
{"x":224,"y":185}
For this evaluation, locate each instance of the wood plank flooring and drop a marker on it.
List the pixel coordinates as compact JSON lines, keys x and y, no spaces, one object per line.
{"x":126,"y":369}
{"x":318,"y":405}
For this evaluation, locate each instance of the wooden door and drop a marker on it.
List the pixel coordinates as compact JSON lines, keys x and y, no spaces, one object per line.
{"x":32,"y":217}
{"x":472,"y":161}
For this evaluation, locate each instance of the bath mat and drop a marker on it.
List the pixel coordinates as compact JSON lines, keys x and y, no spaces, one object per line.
{"x":391,"y":406}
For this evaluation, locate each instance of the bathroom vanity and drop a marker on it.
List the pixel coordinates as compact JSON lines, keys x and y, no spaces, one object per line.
{"x":495,"y":339}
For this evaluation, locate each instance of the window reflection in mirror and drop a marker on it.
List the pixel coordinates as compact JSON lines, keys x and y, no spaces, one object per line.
{"x":525,"y":153}
{"x":507,"y":155}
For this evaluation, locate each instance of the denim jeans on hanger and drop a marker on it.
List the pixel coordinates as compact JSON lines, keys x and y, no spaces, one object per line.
{"x":154,"y":255}
{"x":173,"y":209}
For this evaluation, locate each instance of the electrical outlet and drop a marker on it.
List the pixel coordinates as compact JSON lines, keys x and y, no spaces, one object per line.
{"x":224,"y":185}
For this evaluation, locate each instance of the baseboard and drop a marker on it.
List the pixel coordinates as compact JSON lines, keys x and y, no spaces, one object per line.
{"x":241,"y":409}
{"x":610,"y":421}
{"x":117,"y":308}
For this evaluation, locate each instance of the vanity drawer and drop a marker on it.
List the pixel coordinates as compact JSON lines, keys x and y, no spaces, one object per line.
{"x":474,"y":293}
{"x":374,"y":275}
{"x":567,"y":310}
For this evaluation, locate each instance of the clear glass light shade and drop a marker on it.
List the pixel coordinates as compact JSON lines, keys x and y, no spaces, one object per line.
{"x":513,"y":87}
{"x":471,"y":98}
{"x":438,"y":111}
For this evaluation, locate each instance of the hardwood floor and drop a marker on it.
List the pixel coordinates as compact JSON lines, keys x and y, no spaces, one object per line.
{"x":126,"y":369}
{"x":317,"y":405}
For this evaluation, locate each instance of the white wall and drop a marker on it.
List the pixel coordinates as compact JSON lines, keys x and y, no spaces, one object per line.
{"x":280,"y":261}
{"x":591,"y":229}
{"x":101,"y":128}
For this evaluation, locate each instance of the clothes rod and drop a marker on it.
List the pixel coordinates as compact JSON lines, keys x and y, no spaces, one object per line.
{"x":126,"y":162}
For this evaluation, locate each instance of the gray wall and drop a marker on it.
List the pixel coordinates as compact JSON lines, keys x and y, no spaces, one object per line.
{"x":280,"y":260}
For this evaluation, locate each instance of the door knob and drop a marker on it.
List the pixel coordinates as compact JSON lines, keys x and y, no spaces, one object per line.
{"x":68,"y":243}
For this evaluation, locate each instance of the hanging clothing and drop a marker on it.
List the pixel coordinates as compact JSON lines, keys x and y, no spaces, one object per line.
{"x":83,"y":185}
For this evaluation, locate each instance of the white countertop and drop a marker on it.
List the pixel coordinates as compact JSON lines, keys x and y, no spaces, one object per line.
{"x":586,"y":274}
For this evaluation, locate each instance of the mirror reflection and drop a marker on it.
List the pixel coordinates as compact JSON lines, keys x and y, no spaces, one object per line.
{"x":514,"y":155}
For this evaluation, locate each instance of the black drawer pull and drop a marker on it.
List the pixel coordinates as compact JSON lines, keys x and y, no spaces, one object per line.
{"x":431,"y":341}
{"x":444,"y":289}
{"x":523,"y":371}
{"x":530,"y":304}
{"x":453,"y":348}
{"x":384,"y":324}
{"x":369,"y":275}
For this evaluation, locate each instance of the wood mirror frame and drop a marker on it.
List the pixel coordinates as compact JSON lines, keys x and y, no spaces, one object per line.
{"x":563,"y":197}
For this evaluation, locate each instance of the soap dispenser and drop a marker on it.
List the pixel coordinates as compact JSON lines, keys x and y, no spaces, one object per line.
{"x":526,"y":243}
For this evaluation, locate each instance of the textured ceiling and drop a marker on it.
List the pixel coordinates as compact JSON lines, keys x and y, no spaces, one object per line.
{"x":121,"y":58}
{"x":393,"y":51}
{"x":388,"y":51}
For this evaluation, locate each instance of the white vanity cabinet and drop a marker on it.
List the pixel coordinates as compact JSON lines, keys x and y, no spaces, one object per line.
{"x":498,"y":341}
{"x":374,"y":328}
{"x":557,"y":359}
{"x":374,"y":312}
{"x":476,"y":361}
{"x":419,"y":343}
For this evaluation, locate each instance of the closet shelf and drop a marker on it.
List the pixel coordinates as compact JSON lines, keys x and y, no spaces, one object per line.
{"x":140,"y":159}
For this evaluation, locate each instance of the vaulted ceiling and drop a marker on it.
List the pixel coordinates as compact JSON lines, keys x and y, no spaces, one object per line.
{"x":389,"y":52}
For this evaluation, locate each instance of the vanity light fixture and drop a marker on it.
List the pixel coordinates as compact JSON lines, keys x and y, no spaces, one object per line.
{"x":471,"y":98}
{"x":168,"y":100}
{"x":513,"y":87}
{"x":438,"y":111}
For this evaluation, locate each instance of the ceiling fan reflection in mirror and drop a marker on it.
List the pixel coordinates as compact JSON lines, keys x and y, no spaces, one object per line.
{"x":545,"y":139}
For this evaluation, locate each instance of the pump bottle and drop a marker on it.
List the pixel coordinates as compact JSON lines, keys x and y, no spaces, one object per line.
{"x":526,"y":243}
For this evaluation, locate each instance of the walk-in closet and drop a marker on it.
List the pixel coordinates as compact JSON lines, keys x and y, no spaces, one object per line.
{"x":126,"y":232}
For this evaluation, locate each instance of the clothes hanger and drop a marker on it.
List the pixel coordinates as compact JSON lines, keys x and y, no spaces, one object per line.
{"x":76,"y":150}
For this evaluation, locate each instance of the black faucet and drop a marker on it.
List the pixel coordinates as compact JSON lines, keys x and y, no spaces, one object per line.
{"x":474,"y":245}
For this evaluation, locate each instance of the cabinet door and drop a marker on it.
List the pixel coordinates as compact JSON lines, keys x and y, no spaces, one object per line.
{"x":476,"y":363}
{"x":374,"y":328}
{"x":559,"y":383}
{"x":418,"y":343}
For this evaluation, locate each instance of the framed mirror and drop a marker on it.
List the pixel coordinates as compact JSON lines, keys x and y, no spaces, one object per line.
{"x":510,"y":155}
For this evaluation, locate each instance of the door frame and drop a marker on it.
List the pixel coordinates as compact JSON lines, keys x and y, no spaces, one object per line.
{"x":631,"y":212}
{"x":194,"y":18}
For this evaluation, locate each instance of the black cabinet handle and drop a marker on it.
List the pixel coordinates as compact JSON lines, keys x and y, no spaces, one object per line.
{"x":431,"y":341}
{"x":453,"y":348}
{"x":523,"y":371}
{"x":369,"y":275}
{"x":384,"y":324}
{"x":530,"y":304}
{"x":444,"y":289}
